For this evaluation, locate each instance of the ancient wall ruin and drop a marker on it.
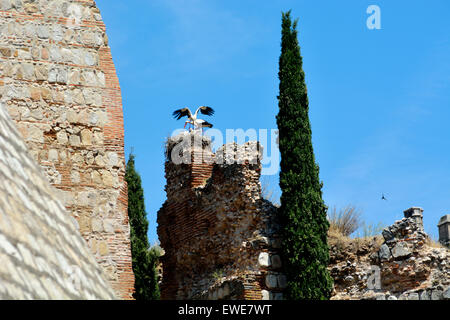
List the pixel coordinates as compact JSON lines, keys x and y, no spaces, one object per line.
{"x":219,"y":235}
{"x":58,"y":82}
{"x":42,"y":253}
{"x":402,"y":264}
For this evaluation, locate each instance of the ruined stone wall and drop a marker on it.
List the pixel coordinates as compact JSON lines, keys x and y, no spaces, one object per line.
{"x":218,"y":234}
{"x":58,"y":82}
{"x":42,"y":253}
{"x":402,"y":264}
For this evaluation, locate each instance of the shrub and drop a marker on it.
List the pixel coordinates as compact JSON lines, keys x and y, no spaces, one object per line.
{"x":345,"y":221}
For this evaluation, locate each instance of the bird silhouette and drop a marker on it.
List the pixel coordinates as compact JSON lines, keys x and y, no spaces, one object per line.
{"x":383,"y":197}
{"x":192,"y":118}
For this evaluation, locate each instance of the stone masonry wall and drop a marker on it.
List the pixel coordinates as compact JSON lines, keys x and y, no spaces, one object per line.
{"x":219,"y":236}
{"x":42,"y":253}
{"x":404,"y":265}
{"x":58,"y":82}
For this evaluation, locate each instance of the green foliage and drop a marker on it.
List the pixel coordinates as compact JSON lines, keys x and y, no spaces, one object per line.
{"x":217,"y":274}
{"x":144,"y":260}
{"x":302,"y":213}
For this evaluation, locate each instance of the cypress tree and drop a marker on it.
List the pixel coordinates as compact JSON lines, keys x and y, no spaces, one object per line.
{"x":302,"y":212}
{"x":144,"y":260}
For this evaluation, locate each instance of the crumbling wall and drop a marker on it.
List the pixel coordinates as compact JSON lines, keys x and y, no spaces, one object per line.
{"x":402,"y":264}
{"x":58,"y":82}
{"x":219,"y":235}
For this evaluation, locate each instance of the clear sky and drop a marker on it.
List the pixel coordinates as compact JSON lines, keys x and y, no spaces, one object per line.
{"x":379,"y":99}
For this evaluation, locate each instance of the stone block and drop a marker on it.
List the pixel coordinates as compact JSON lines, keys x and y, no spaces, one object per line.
{"x":424,"y":295}
{"x":380,"y":296}
{"x":74,"y":140}
{"x":75,"y":177}
{"x":275,"y":261}
{"x":43,"y":31}
{"x":97,"y":225}
{"x":413,"y":296}
{"x":53,"y":155}
{"x":5,"y":52}
{"x":113,"y":159}
{"x":5,"y":5}
{"x":35,"y":134}
{"x":107,"y":178}
{"x":276,"y":296}
{"x":401,"y":251}
{"x":446,"y":294}
{"x":444,"y":230}
{"x":35,"y":93}
{"x":271,"y":281}
{"x":46,"y":94}
{"x":41,"y":73}
{"x":108,"y":225}
{"x":263,"y":259}
{"x":103,"y":248}
{"x":436,"y":294}
{"x":86,"y":137}
{"x":62,"y":138}
{"x":384,"y":253}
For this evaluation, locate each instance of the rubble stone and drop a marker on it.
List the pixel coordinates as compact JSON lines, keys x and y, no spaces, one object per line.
{"x":414,"y":271}
{"x":215,"y":228}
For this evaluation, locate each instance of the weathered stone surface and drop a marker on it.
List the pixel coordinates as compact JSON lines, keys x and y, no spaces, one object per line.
{"x":415,"y":271}
{"x":444,"y":230}
{"x":413,"y":296}
{"x":401,"y":251}
{"x":265,"y":295}
{"x":446,"y":294}
{"x":424,"y":295}
{"x":54,"y":62}
{"x":271,"y":281}
{"x":275,"y":261}
{"x":42,"y":253}
{"x":384,"y":252}
{"x":263,"y":259}
{"x":215,"y":227}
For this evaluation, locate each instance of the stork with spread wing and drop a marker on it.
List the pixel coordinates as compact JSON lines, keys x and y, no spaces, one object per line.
{"x":192,"y":118}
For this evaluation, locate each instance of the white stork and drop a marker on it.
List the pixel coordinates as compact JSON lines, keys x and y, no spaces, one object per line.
{"x":192,"y":118}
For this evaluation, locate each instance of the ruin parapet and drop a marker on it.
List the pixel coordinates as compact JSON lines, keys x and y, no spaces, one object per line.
{"x":219,"y":235}
{"x":444,"y":230}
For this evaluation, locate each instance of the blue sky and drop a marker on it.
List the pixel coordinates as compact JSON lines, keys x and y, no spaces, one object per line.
{"x":379,"y":99}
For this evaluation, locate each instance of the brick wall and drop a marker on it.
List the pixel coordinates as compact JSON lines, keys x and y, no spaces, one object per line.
{"x":218,"y":234}
{"x":42,"y":253}
{"x":59,"y":84}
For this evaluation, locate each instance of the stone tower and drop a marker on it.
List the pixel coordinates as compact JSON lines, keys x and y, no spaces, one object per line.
{"x":444,"y":230}
{"x":58,"y":82}
{"x":219,"y":235}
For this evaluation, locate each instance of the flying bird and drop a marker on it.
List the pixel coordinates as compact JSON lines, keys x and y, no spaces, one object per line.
{"x":383,"y":197}
{"x":193,"y":118}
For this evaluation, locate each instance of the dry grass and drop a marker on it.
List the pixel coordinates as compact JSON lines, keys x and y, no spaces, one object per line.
{"x":345,"y":221}
{"x":434,"y":244}
{"x":370,"y":230}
